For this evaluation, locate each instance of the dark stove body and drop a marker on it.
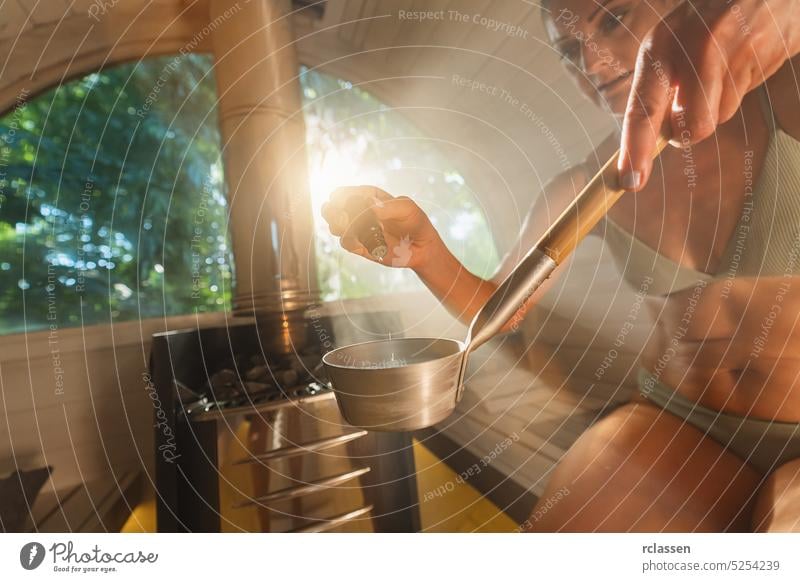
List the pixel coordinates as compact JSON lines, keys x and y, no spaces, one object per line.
{"x":267,"y":449}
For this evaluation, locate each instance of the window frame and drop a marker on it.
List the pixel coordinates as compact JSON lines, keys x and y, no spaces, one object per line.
{"x":71,"y":334}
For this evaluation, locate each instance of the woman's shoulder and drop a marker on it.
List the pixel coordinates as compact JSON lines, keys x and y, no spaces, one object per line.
{"x":553,"y":199}
{"x":586,"y":168}
{"x":565,"y":186}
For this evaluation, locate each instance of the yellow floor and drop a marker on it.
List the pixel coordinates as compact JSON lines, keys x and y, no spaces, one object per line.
{"x":446,"y":503}
{"x":142,"y":519}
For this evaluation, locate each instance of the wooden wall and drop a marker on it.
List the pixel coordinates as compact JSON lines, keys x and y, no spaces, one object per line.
{"x":76,"y":399}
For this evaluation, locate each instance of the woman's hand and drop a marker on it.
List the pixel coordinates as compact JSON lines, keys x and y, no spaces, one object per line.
{"x":410,"y":237}
{"x":412,"y":242}
{"x":695,"y":67}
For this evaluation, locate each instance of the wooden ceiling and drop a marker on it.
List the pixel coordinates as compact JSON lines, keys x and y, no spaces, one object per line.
{"x":509,"y":136}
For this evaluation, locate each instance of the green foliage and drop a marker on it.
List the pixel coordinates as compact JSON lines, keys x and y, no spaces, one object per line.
{"x":112,"y":203}
{"x":111,"y":199}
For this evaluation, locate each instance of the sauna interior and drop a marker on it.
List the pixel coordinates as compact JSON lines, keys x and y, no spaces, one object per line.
{"x":169,"y":285}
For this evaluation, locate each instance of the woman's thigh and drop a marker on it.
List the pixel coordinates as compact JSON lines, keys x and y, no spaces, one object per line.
{"x":644,"y":469}
{"x":778,"y":501}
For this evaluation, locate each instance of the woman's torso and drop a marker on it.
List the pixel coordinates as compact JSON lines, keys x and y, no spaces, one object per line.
{"x":714,"y":247}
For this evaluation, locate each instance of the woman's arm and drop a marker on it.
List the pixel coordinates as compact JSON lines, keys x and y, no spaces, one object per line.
{"x":461,"y":292}
{"x":410,"y":235}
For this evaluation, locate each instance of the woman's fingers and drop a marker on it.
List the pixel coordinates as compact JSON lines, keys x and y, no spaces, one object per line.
{"x":336,"y":218}
{"x":340,"y":196}
{"x":695,"y":110}
{"x":406,"y":229}
{"x":712,"y":54}
{"x":398,"y":250}
{"x":397,"y":209}
{"x":734,"y":86}
{"x":351,"y":244}
{"x":335,"y":210}
{"x":380,"y":202}
{"x":380,"y":194}
{"x":648,"y":105}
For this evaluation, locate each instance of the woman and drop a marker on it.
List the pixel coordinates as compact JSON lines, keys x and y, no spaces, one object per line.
{"x":712,"y":440}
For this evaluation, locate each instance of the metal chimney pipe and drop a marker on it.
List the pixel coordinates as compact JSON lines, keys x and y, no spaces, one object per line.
{"x":263,"y":133}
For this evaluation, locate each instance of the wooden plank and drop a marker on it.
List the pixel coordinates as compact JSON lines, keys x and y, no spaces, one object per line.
{"x":497,"y":392}
{"x":534,"y":433}
{"x":97,"y":506}
{"x":117,"y":505}
{"x":382,"y":31}
{"x":44,"y":12}
{"x":74,"y":466}
{"x":428,"y":32}
{"x":47,"y":504}
{"x":528,"y":470}
{"x":504,"y":492}
{"x":360,"y":29}
{"x":484,"y":41}
{"x":78,"y":508}
{"x":559,"y":432}
{"x":48,"y":428}
{"x":14,"y":22}
{"x":37,"y":383}
{"x":510,"y":426}
{"x":352,"y":11}
{"x":124,"y":334}
{"x":334,"y":10}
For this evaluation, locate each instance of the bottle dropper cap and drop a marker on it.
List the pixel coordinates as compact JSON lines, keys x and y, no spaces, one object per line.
{"x":366,"y":227}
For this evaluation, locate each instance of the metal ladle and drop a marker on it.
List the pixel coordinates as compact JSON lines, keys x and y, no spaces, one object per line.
{"x":412,"y":383}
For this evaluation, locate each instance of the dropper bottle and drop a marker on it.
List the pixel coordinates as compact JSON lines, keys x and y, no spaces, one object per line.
{"x":366,"y":227}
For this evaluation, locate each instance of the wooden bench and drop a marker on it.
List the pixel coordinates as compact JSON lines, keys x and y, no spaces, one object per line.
{"x":97,"y":506}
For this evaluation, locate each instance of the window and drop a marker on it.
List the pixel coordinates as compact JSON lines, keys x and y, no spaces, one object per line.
{"x":112,"y":205}
{"x":112,"y":200}
{"x":353,"y":138}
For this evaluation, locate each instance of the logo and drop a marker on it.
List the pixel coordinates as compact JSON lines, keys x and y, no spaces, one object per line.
{"x":31,"y":555}
{"x":402,"y":253}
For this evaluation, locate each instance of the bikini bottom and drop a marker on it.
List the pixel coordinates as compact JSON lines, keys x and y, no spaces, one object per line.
{"x":764,"y":444}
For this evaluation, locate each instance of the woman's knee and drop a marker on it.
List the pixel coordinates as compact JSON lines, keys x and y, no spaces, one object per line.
{"x":643,"y":469}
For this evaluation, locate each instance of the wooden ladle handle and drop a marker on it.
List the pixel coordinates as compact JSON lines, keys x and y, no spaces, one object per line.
{"x":594,"y":201}
{"x":558,"y":242}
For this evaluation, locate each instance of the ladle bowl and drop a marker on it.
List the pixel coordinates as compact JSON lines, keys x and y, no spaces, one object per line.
{"x":413,"y":383}
{"x":396,"y":385}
